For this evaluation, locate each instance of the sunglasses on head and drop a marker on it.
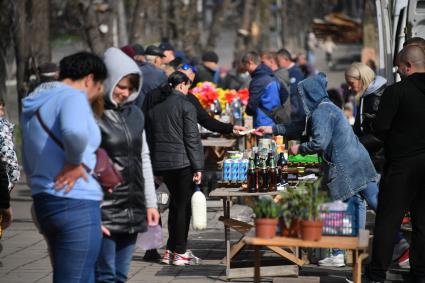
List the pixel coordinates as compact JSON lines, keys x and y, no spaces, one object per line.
{"x":187,"y":67}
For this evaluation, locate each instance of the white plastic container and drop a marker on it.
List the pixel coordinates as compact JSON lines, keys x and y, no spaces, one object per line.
{"x":199,"y":210}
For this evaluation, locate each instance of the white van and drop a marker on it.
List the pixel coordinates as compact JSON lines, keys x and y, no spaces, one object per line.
{"x":397,"y":20}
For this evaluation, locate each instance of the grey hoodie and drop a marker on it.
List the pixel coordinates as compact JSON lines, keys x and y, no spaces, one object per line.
{"x":120,"y":65}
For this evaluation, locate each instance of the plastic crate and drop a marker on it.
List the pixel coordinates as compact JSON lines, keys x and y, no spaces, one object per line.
{"x":339,"y":223}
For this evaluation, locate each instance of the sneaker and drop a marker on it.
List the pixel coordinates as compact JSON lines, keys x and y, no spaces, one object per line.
{"x":188,"y":258}
{"x":167,"y":258}
{"x":333,"y":261}
{"x":403,"y":261}
{"x":152,"y":255}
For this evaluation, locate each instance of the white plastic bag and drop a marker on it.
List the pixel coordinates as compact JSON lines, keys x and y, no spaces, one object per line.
{"x":151,"y":239}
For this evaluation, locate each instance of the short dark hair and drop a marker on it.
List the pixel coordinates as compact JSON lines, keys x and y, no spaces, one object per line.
{"x":336,"y":97}
{"x":177,"y":78}
{"x":284,"y":53}
{"x":250,"y":56}
{"x":81,"y":64}
{"x":415,"y":41}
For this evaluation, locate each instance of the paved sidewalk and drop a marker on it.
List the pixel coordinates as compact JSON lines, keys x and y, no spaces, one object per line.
{"x":24,"y":257}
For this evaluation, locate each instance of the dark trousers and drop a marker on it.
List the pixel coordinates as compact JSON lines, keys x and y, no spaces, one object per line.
{"x":181,"y":187}
{"x":402,"y":188}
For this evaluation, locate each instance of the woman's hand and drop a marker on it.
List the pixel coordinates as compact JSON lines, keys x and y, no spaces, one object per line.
{"x":294,"y":149}
{"x":263,"y":130}
{"x":152,"y":216}
{"x":68,"y":176}
{"x":105,"y":231}
{"x":197,"y":176}
{"x":237,"y":129}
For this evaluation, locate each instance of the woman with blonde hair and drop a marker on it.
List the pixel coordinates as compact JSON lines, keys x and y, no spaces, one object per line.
{"x":368,"y":87}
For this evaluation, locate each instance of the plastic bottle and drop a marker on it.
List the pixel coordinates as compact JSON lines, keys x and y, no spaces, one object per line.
{"x":199,"y":210}
{"x":237,"y":114}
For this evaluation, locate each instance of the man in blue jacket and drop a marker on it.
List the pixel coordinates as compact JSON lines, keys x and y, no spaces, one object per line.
{"x":265,"y":91}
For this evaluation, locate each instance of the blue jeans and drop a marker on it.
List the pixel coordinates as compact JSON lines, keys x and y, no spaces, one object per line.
{"x":72,"y":230}
{"x":115,"y":257}
{"x":356,"y":204}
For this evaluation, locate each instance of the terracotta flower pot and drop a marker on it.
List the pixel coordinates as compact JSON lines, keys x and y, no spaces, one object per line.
{"x":265,"y":227}
{"x":293,"y":231}
{"x":311,"y":230}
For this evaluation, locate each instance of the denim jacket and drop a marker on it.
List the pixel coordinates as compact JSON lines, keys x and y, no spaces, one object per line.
{"x":347,"y":165}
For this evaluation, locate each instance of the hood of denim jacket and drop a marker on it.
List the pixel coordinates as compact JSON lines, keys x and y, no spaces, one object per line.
{"x":375,"y":85}
{"x":119,"y":65}
{"x":313,"y":90}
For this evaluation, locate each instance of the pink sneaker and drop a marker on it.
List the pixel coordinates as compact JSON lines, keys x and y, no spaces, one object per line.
{"x":167,"y":258}
{"x":403,"y":261}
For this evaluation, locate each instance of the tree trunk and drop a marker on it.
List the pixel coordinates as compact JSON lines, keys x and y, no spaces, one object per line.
{"x":216,"y":23}
{"x":88,"y":18}
{"x":137,"y":26}
{"x":122,"y":24}
{"x":244,"y":30}
{"x":40,"y":31}
{"x":22,"y":50}
{"x":7,"y":14}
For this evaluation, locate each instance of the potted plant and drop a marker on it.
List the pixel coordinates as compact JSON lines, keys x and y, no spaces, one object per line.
{"x":311,"y":225}
{"x":292,"y":209}
{"x":266,"y":213}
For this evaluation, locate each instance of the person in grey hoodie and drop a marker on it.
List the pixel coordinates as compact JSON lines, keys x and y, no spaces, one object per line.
{"x":131,"y":206}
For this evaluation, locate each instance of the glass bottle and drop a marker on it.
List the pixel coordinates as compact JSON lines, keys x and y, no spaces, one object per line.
{"x":256,"y":157}
{"x":252,"y":177}
{"x":264,"y":175}
{"x":273,"y":173}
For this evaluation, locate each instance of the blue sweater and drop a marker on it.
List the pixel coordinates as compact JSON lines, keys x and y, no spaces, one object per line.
{"x":67,"y":113}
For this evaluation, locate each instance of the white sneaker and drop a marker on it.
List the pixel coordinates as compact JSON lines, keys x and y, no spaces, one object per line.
{"x":167,"y":257}
{"x":188,"y":258}
{"x":333,"y":261}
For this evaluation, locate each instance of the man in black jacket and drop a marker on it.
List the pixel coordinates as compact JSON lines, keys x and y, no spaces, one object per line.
{"x":399,"y":123}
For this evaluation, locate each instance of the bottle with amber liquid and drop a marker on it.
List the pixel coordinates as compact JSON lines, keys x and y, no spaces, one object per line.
{"x":273,"y":174}
{"x":256,"y":157}
{"x":282,"y":165}
{"x":252,"y":177}
{"x":269,"y":157}
{"x":264,"y":176}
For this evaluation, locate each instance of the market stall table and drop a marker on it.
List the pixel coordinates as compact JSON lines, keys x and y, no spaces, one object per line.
{"x":226,"y":194}
{"x":218,"y":145}
{"x":359,"y":245}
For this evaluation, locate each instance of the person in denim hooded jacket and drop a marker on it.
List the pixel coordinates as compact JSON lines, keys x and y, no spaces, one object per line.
{"x":348,"y":169}
{"x":347,"y":165}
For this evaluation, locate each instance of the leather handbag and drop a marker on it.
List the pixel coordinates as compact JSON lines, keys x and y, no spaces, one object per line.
{"x":104,"y":171}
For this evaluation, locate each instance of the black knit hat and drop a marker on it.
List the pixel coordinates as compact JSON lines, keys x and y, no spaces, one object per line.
{"x":138,"y":49}
{"x":210,"y":56}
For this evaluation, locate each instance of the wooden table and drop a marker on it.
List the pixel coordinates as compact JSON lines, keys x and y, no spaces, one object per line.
{"x":226,"y":195}
{"x":359,"y":245}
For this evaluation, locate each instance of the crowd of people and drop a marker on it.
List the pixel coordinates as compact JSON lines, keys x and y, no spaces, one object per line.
{"x":135,"y":104}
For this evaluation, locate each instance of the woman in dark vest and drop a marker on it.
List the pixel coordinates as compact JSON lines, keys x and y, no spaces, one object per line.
{"x":131,"y":206}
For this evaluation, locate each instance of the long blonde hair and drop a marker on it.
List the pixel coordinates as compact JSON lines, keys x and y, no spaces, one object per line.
{"x":362,"y":72}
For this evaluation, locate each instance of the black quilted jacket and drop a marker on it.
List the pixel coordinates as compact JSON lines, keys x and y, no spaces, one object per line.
{"x":174,"y":140}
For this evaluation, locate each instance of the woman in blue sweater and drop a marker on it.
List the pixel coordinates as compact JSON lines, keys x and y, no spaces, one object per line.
{"x":66,"y":197}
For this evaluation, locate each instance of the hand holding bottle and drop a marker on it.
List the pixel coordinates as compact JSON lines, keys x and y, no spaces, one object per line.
{"x":197,"y":176}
